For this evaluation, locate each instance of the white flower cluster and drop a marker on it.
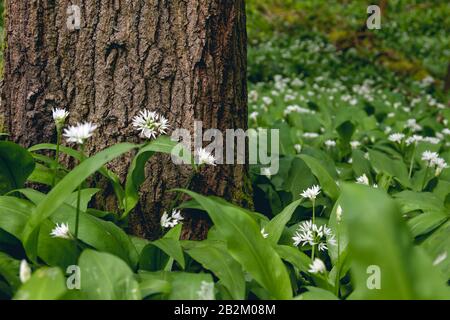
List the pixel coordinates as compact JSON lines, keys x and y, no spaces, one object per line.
{"x":298,"y":109}
{"x":317,"y":266}
{"x":433,"y":160}
{"x":61,"y":231}
{"x":172,"y":220}
{"x":204,"y":157}
{"x":59,"y":116}
{"x":310,"y":233}
{"x":150,"y":124}
{"x":396,"y":137}
{"x":311,"y":193}
{"x":80,"y":133}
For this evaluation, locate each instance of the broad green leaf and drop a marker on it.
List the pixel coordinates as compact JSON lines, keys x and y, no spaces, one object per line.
{"x":326,"y":181}
{"x":424,"y":201}
{"x":9,"y":270}
{"x":111,"y":176}
{"x":107,"y":277}
{"x":64,"y":189}
{"x":314,"y":293}
{"x":184,"y":286}
{"x":246,"y":245}
{"x":44,"y":284}
{"x":276,"y":226}
{"x":14,"y":215}
{"x":299,"y":178}
{"x":437,"y":245}
{"x":392,"y":167}
{"x":136,"y":172}
{"x":150,"y":286}
{"x":426,"y":222}
{"x":295,"y":257}
{"x":16,"y":164}
{"x":213,"y":256}
{"x":379,"y":239}
{"x":360,"y":164}
{"x":100,"y":234}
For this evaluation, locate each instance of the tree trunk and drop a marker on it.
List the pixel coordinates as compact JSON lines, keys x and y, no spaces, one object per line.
{"x":447,"y":80}
{"x":184,"y":59}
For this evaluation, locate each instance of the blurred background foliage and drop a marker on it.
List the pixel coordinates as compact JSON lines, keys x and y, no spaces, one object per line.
{"x":414,"y":39}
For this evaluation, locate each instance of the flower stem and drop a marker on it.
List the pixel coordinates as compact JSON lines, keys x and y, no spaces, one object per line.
{"x":412,"y":161}
{"x":77,"y":217}
{"x":179,"y":194}
{"x":314,"y":212}
{"x":338,"y":276}
{"x":425,"y":178}
{"x":58,"y":142}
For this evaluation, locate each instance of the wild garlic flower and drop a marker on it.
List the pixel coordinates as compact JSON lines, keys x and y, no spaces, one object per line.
{"x":330,"y":144}
{"x":172,"y":220}
{"x":414,"y":139}
{"x":412,"y":124}
{"x":433,"y":160}
{"x":204,"y":157}
{"x":264,"y":233}
{"x":310,"y":233}
{"x":79,"y":133}
{"x":298,"y":148}
{"x":430,"y":158}
{"x":317,"y":266}
{"x":440,"y":258}
{"x":311,"y":193}
{"x":310,"y":135}
{"x":59,"y":116}
{"x":24,"y":271}
{"x":266,"y":172}
{"x":355,"y":144}
{"x":363,"y":180}
{"x":206,"y":291}
{"x":396,"y":137}
{"x":61,"y":231}
{"x":440,"y":165}
{"x":339,"y":214}
{"x":432,"y":140}
{"x":150,"y":124}
{"x":254,"y":115}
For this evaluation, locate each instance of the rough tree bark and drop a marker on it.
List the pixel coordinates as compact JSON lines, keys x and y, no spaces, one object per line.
{"x":183,"y":58}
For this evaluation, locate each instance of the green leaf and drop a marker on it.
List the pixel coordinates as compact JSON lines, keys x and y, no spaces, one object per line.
{"x":14,"y":215}
{"x":391,"y":167}
{"x":326,"y":181}
{"x":437,"y":245}
{"x":298,"y":179}
{"x":111,"y":176}
{"x":136,"y":172}
{"x":212,"y":255}
{"x":295,"y":257}
{"x":16,"y":164}
{"x":247,"y":246}
{"x":426,"y":222}
{"x":9,"y":270}
{"x":100,"y":234}
{"x":314,"y":293}
{"x":44,"y":284}
{"x":64,"y":189}
{"x":184,"y":286}
{"x":276,"y":226}
{"x":379,"y":238}
{"x":424,"y":201}
{"x":360,"y":164}
{"x":150,"y":286}
{"x":106,"y":277}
